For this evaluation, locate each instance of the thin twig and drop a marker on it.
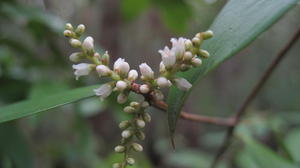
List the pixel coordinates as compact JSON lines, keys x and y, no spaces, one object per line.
{"x":161,"y":105}
{"x":242,"y":110}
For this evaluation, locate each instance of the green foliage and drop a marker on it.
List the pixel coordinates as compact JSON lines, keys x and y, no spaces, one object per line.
{"x":33,"y":106}
{"x":237,"y":25}
{"x":262,"y":156}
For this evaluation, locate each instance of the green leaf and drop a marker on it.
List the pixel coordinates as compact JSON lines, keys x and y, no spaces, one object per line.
{"x":236,"y":26}
{"x":262,"y":156}
{"x":43,"y":103}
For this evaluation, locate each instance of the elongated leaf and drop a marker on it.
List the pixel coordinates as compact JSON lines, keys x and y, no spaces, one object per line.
{"x":33,"y":106}
{"x":237,"y":25}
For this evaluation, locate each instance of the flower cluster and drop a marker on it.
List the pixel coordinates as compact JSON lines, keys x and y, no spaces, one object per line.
{"x":183,"y":55}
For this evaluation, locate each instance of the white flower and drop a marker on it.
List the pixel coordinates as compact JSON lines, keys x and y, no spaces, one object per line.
{"x":163,"y":82}
{"x":103,"y":91}
{"x":121,"y":85}
{"x":182,"y":84}
{"x":82,"y":69}
{"x":168,"y":57}
{"x":120,"y":66}
{"x":76,"y":57}
{"x":132,"y":75}
{"x":146,"y":71}
{"x":88,"y":43}
{"x":204,"y":53}
{"x":178,"y":46}
{"x":103,"y":70}
{"x":144,"y":88}
{"x":126,"y":134}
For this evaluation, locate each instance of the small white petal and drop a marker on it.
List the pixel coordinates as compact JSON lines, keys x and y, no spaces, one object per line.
{"x":103,"y":91}
{"x":168,"y":57}
{"x":182,"y":84}
{"x":178,"y":46}
{"x":146,"y":71}
{"x":82,"y":69}
{"x":162,"y":67}
{"x":163,"y":82}
{"x":103,"y":70}
{"x":132,"y":75}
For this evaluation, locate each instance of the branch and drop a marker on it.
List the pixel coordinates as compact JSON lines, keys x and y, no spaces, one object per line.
{"x":242,"y":110}
{"x":161,"y":105}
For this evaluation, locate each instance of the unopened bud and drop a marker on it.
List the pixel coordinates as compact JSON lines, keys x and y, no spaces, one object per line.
{"x":119,"y":149}
{"x":76,"y":57}
{"x":140,"y":123}
{"x":88,"y":44}
{"x":146,"y":117}
{"x":122,"y":98}
{"x":196,"y":61}
{"x":126,"y":134}
{"x":121,"y":85}
{"x":188,"y":44}
{"x":196,"y":41}
{"x":204,"y":53}
{"x":97,"y":56}
{"x":68,"y":33}
{"x":80,"y":29}
{"x":105,"y":58}
{"x":162,"y":67}
{"x":187,"y":55}
{"x":75,"y":43}
{"x":144,"y":88}
{"x":130,"y":161}
{"x":69,"y":26}
{"x":163,"y":82}
{"x":129,"y":109}
{"x":124,"y":124}
{"x":135,"y":104}
{"x":140,"y":135}
{"x":132,"y":75}
{"x":137,"y":147}
{"x":208,"y":34}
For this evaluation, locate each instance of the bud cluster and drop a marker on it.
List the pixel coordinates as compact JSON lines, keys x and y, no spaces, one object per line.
{"x":132,"y":129}
{"x":183,"y":55}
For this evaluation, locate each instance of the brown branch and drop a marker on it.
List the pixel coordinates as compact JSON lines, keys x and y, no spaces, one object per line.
{"x":242,"y":110}
{"x":161,"y":105}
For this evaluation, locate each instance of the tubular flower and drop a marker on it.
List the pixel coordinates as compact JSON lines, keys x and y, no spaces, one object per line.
{"x":82,"y":69}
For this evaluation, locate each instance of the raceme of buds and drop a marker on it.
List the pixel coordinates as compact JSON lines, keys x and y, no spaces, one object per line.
{"x":182,"y":55}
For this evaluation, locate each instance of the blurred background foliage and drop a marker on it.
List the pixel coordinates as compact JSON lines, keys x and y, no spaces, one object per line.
{"x":34,"y":62}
